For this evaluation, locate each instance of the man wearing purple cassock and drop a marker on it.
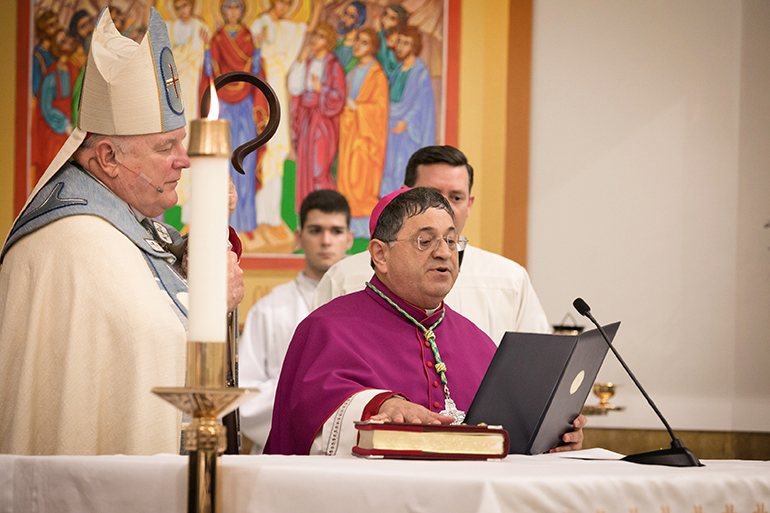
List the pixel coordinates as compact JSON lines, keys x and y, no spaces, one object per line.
{"x":368,"y":355}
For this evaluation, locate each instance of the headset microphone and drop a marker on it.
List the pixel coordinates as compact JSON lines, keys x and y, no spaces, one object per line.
{"x":146,"y":179}
{"x":143,"y":177}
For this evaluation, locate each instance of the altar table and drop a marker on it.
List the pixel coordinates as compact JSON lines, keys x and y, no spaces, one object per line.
{"x":585,"y":481}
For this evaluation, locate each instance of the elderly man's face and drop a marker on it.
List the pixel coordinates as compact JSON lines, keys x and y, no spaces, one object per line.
{"x":422,"y":278}
{"x":159,"y":157}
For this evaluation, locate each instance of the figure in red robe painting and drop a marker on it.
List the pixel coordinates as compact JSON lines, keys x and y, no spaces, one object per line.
{"x":317,"y":88}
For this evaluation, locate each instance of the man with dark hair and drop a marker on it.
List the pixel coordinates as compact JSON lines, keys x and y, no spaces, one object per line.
{"x":392,"y":352}
{"x":411,"y":112}
{"x":492,"y":291}
{"x":324,"y":236}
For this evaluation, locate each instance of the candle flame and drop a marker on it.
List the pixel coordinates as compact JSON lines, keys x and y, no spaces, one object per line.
{"x":214,"y":108}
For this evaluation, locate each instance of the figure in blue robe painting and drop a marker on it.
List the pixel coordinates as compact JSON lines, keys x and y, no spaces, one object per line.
{"x":412,"y":113}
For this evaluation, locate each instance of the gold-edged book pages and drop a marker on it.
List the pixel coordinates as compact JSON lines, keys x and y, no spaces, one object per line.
{"x":427,"y":441}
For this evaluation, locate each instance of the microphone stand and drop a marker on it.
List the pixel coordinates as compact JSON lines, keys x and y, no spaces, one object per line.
{"x":678,"y":455}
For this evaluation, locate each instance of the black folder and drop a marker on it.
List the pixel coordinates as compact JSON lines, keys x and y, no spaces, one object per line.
{"x":537,"y":384}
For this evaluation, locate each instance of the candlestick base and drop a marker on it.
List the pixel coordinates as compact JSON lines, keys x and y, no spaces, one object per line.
{"x":205,"y":438}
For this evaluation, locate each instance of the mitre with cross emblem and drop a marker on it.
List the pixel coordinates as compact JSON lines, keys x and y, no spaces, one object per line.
{"x":128,"y":88}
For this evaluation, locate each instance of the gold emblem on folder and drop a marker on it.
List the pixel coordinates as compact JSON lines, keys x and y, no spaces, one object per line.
{"x":577,"y":382}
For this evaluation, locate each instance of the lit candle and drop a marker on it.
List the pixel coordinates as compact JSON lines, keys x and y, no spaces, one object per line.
{"x":207,"y":247}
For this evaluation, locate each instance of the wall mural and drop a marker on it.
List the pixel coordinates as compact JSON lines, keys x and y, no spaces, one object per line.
{"x":362,"y":85}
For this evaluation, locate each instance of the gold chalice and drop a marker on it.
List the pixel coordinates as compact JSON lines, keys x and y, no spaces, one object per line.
{"x":603,"y":390}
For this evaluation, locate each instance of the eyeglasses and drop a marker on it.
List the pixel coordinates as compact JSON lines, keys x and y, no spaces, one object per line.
{"x":426,"y":243}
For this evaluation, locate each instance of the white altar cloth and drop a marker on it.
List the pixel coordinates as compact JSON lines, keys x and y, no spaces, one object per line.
{"x":537,"y":484}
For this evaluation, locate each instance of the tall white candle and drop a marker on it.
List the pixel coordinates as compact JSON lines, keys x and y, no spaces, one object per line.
{"x":207,"y":249}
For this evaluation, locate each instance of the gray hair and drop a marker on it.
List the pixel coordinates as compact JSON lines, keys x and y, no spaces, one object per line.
{"x":122,"y":143}
{"x":407,"y":204}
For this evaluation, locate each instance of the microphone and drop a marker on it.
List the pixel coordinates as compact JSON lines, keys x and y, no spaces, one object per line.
{"x":678,"y":455}
{"x":147,"y":179}
{"x":143,"y":177}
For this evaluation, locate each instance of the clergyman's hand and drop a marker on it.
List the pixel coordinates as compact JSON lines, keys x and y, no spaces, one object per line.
{"x":398,"y":409}
{"x":235,"y":289}
{"x":574,"y":439}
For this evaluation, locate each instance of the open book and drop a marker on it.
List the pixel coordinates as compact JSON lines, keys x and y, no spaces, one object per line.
{"x":377,"y":439}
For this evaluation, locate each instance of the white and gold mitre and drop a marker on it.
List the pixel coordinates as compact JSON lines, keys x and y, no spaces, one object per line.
{"x":128,"y":88}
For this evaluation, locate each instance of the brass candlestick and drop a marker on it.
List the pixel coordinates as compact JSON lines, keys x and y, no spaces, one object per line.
{"x":205,"y":396}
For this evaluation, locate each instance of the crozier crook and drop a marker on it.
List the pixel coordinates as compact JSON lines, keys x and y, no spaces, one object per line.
{"x":272,"y":102}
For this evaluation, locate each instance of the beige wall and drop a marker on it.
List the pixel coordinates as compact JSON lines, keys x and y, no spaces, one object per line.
{"x":649,"y":198}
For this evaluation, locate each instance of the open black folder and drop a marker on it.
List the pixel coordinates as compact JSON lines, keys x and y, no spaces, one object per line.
{"x":537,"y":384}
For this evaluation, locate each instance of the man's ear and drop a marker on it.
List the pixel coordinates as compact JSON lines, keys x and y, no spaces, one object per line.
{"x":378,"y":250}
{"x":106,"y":157}
{"x":350,"y":240}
